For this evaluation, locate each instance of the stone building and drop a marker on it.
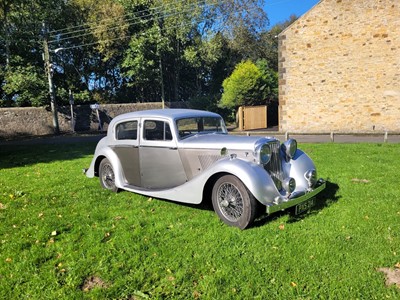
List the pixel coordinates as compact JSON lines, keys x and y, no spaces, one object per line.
{"x":339,"y":68}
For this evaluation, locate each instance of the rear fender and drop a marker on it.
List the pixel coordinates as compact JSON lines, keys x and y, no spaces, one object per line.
{"x":114,"y":160}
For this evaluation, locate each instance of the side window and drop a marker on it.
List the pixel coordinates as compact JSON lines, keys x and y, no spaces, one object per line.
{"x":127,"y":130}
{"x":157,"y":131}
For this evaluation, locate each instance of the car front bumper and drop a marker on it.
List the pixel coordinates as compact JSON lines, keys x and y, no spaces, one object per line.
{"x":298,"y":200}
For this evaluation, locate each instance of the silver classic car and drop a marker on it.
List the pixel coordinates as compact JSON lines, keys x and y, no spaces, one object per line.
{"x":187,"y":156}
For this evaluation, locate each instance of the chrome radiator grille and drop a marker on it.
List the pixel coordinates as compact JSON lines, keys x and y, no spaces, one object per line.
{"x":274,"y":166}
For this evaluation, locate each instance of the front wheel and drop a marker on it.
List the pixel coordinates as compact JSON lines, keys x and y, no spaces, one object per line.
{"x":107,"y":176}
{"x":233,"y":203}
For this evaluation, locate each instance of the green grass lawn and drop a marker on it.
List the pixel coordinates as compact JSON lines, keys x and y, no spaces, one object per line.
{"x":62,"y":236}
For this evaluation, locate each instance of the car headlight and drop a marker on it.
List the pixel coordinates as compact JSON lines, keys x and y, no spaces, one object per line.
{"x":263,"y":153}
{"x":289,"y":184}
{"x":289,"y":148}
{"x":311,"y":176}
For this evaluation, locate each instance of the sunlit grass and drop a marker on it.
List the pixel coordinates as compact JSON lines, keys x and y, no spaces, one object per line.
{"x":62,"y":236}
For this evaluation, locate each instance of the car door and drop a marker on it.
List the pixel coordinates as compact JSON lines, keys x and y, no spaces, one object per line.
{"x":127,"y":149}
{"x":160,"y":163}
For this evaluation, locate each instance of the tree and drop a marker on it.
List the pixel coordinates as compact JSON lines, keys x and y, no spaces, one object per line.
{"x":22,"y":78}
{"x":249,"y":84}
{"x":268,"y":42}
{"x":123,"y":50}
{"x":26,"y":84}
{"x":192,"y":38}
{"x":242,"y":87}
{"x":270,"y":83}
{"x":141,"y":63}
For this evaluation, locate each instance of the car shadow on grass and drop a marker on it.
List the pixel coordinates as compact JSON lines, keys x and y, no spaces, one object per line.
{"x":12,"y":156}
{"x":326,"y":198}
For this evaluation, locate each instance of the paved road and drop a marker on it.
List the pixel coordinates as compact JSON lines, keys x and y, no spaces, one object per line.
{"x":301,"y":138}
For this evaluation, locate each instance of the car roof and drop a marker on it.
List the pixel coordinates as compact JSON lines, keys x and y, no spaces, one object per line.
{"x":173,"y":114}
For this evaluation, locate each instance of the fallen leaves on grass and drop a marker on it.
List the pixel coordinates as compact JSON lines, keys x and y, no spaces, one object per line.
{"x":196,"y":294}
{"x":281,"y":226}
{"x":138,"y":295}
{"x":16,"y":194}
{"x":59,"y":268}
{"x":2,"y":206}
{"x":94,"y":282}
{"x":357,"y":180}
{"x":392,"y":275}
{"x":106,"y":238}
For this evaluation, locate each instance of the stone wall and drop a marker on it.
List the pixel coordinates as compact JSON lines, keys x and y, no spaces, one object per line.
{"x":38,"y":121}
{"x":339,"y":68}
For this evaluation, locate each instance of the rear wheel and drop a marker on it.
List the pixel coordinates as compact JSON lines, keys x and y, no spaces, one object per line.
{"x":107,"y":176}
{"x":233,"y":203}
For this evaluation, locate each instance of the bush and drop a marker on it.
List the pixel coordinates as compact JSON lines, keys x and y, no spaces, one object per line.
{"x":250,"y":84}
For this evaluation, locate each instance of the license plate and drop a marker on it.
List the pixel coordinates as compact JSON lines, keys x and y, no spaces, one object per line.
{"x":304,"y":206}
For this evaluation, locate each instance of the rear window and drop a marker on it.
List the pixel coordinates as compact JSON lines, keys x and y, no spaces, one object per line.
{"x":127,"y":130}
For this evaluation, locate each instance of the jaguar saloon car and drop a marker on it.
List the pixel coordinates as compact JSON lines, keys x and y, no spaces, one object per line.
{"x":188,"y":156}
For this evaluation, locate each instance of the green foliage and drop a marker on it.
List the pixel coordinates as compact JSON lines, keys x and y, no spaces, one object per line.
{"x":108,"y":26}
{"x":270,"y":86}
{"x":141,"y":59}
{"x":27,"y":86}
{"x":82,"y":97}
{"x":63,"y":237}
{"x":119,"y":48}
{"x":268,"y":42}
{"x":250,"y":84}
{"x":243,"y":86}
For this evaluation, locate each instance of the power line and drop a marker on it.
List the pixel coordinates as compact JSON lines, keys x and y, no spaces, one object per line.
{"x":130,"y":14}
{"x":136,"y":21}
{"x":130,"y":36}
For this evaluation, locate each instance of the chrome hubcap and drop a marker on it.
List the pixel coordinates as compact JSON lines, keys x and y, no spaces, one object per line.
{"x":230,"y":201}
{"x":108,"y":176}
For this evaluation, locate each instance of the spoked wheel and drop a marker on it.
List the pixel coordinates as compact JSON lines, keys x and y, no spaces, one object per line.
{"x":107,"y":176}
{"x":233,"y":203}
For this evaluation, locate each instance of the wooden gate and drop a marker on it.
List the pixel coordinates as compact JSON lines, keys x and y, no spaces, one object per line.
{"x":252,"y":117}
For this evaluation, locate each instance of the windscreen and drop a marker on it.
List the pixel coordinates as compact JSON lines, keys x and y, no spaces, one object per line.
{"x":200,"y":125}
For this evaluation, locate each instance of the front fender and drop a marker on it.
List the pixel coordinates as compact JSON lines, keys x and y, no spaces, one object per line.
{"x":253,"y":176}
{"x":297,"y":167}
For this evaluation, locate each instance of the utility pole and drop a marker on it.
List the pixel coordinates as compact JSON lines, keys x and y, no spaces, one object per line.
{"x":162,"y":84}
{"x":71,"y":103}
{"x":49,"y":72}
{"x":160,"y":65}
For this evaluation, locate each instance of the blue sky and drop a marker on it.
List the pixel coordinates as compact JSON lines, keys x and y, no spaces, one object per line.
{"x":280,"y":10}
